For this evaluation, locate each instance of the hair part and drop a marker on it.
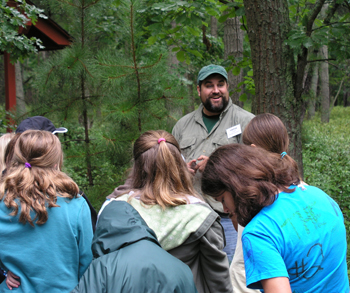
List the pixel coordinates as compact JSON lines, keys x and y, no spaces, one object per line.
{"x":159,"y":172}
{"x":36,"y":188}
{"x":253,"y":176}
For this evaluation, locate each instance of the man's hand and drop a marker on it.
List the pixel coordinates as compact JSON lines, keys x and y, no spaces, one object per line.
{"x":202,"y":163}
{"x":11,"y":280}
{"x":192,"y":166}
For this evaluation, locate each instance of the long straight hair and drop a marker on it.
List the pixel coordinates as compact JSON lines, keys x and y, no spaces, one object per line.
{"x":268,"y":132}
{"x":33,"y":180}
{"x":159,"y":172}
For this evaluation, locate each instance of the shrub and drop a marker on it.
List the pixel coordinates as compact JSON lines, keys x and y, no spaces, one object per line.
{"x":326,"y":156}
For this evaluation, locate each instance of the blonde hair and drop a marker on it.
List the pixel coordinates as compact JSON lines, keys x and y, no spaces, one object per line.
{"x":4,"y":140}
{"x":159,"y":171}
{"x":36,"y":187}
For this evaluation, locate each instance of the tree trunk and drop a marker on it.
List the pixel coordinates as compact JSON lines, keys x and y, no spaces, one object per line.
{"x":275,"y":77}
{"x":313,"y":91}
{"x":233,"y":46}
{"x":324,"y":77}
{"x":214,"y":26}
{"x":345,"y":99}
{"x":191,"y":96}
{"x":20,"y":103}
{"x":324,"y":85}
{"x":174,"y":112}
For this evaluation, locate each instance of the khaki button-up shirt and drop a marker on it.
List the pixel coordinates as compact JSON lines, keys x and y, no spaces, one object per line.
{"x":194,"y":139}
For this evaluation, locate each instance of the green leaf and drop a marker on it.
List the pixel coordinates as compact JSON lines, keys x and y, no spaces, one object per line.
{"x":193,"y":31}
{"x":155,"y":27}
{"x":243,"y":97}
{"x":236,"y":70}
{"x":211,"y":11}
{"x":151,"y":40}
{"x":180,"y":56}
{"x":240,"y":84}
{"x":195,"y":52}
{"x":308,"y":42}
{"x":223,"y":18}
{"x":240,"y":11}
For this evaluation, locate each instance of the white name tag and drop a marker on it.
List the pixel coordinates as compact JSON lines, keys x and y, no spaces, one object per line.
{"x":233,"y":131}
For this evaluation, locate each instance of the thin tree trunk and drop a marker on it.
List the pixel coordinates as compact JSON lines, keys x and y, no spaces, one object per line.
{"x":345,"y":99}
{"x":20,"y":103}
{"x":191,"y":96}
{"x":233,"y":46}
{"x":83,"y":97}
{"x":324,"y":85}
{"x":214,"y":26}
{"x":174,"y":112}
{"x":324,"y":77}
{"x":313,"y":91}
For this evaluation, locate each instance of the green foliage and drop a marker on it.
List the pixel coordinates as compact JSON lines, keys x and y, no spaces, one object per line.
{"x":326,"y":158}
{"x":330,"y":34}
{"x":107,"y":91}
{"x":5,"y":117}
{"x":181,"y":24}
{"x":11,"y":19}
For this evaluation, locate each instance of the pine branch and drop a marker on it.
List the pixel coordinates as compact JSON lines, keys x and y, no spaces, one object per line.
{"x":91,"y":4}
{"x":84,"y":155}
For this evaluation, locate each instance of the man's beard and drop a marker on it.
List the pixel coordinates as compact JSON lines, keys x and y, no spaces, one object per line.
{"x":217,"y":108}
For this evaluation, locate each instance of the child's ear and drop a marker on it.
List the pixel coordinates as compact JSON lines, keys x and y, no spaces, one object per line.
{"x":253,"y":145}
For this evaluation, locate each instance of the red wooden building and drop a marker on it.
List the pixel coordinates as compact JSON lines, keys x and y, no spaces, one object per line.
{"x":52,"y":36}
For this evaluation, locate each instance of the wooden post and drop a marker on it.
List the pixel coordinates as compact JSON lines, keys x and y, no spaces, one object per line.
{"x":10,"y":83}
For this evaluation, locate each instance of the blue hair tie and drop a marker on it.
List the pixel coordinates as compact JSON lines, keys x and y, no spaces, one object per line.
{"x":283,"y":154}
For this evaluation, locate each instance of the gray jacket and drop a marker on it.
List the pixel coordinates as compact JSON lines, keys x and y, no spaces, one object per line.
{"x":194,"y":139}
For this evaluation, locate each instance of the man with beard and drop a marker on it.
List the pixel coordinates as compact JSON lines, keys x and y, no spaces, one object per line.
{"x":216,"y":122}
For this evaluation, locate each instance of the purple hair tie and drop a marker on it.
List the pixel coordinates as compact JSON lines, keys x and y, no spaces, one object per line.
{"x":27,"y":165}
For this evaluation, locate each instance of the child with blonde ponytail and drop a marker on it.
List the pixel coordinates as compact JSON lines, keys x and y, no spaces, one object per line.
{"x":45,"y":228}
{"x":160,"y":189}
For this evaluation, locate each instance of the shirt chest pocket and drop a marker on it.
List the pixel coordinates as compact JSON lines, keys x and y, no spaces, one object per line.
{"x":220,"y":141}
{"x":187,"y":146}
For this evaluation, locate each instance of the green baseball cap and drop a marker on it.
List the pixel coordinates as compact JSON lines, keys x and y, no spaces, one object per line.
{"x":209,"y":70}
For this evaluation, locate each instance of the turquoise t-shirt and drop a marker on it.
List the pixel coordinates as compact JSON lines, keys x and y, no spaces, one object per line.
{"x":49,"y":257}
{"x":300,"y":236}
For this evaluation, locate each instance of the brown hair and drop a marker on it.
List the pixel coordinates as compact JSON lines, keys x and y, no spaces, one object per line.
{"x":159,"y":171}
{"x":253,"y":176}
{"x":4,"y":141}
{"x":35,"y":188}
{"x":10,"y":149}
{"x":268,"y":132}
